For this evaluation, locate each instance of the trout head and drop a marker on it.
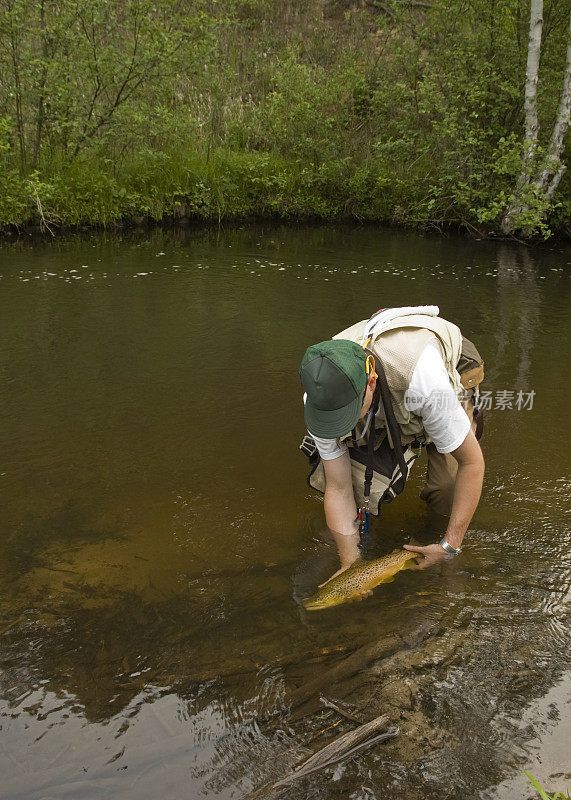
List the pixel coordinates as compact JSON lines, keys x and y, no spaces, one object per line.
{"x":320,"y":600}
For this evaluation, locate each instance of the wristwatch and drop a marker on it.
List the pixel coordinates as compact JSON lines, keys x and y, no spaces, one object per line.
{"x":449,"y":549}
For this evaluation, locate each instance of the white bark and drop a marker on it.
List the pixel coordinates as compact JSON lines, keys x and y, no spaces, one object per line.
{"x":549,"y":172}
{"x":553,"y":164}
{"x":530,"y":105}
{"x":532,"y":75}
{"x":554,"y":183}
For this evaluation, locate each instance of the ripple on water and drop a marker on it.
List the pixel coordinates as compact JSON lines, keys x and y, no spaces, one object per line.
{"x":162,"y":638}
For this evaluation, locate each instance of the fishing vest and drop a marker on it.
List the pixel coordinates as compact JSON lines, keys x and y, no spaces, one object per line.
{"x":399,"y":346}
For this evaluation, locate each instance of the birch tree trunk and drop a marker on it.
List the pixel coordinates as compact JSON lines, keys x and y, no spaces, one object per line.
{"x":531,"y":80}
{"x":553,"y":168}
{"x":531,"y":117}
{"x":540,"y":180}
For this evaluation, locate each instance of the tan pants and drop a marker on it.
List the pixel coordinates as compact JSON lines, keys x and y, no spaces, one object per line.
{"x":438,"y":490}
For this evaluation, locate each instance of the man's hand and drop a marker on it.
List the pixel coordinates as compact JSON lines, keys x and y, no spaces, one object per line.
{"x":433,"y":554}
{"x":335,"y":574}
{"x":341,"y":512}
{"x":467,"y":489}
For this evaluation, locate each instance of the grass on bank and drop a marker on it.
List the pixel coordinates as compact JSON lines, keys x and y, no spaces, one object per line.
{"x":222,"y":184}
{"x":542,"y":793}
{"x":155,"y":185}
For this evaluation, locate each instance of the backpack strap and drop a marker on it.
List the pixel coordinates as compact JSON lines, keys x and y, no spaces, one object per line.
{"x":371,"y":443}
{"x":384,"y":393}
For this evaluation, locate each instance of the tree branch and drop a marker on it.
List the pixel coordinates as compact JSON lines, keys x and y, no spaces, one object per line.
{"x":552,"y":188}
{"x":561,"y":125}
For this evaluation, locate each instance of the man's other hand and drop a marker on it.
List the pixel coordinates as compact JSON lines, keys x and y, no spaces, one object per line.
{"x":432,"y":554}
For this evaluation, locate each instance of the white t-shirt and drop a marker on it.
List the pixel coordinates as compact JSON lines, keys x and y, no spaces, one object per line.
{"x":431,"y":397}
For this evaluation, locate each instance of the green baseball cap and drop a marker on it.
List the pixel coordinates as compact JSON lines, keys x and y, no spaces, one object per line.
{"x":334,"y":378}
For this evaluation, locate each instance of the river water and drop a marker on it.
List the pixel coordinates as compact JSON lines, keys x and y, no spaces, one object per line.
{"x":157,"y":531}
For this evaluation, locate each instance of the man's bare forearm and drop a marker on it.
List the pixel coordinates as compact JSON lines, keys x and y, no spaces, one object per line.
{"x":467,"y":491}
{"x":340,"y":510}
{"x":340,"y":513}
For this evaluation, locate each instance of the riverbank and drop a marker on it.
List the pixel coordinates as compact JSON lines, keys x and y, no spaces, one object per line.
{"x":224,"y":186}
{"x":38,"y":232}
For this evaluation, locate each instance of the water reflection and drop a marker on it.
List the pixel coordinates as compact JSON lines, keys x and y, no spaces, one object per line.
{"x":158,"y":533}
{"x":518,"y":316}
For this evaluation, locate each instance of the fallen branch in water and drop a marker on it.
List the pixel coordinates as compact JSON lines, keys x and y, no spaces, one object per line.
{"x":344,"y":746}
{"x":341,"y":711}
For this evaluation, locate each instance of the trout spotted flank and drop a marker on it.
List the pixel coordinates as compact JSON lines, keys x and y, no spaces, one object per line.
{"x":360,"y":577}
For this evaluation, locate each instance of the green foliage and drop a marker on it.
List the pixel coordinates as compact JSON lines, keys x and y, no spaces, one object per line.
{"x":249,"y":107}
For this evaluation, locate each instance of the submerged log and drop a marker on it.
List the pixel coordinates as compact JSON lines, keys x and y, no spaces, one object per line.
{"x":344,"y":746}
{"x":346,"y":668}
{"x":357,"y":661}
{"x":291,"y":660}
{"x":239,"y":667}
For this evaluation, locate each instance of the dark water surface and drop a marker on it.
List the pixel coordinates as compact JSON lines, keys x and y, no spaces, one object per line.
{"x":157,"y":533}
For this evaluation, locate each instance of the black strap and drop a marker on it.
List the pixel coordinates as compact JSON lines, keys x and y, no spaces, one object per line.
{"x":382,"y":389}
{"x":371,"y":442}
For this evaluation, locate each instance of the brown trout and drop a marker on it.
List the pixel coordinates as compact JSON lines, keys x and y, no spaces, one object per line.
{"x":358,"y":578}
